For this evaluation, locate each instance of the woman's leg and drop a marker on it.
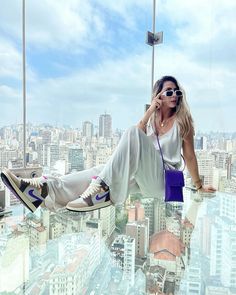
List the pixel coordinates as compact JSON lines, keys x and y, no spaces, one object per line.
{"x":135,"y":157}
{"x":53,"y":192}
{"x":66,"y":188}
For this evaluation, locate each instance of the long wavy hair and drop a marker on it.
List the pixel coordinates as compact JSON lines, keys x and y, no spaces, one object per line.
{"x":183,"y":115}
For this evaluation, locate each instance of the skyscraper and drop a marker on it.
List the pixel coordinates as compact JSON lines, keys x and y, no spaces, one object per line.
{"x":200,"y":143}
{"x":205,"y":165}
{"x":138,"y":228}
{"x":88,"y":129}
{"x":123,"y":253}
{"x":76,"y":159}
{"x":105,"y":125}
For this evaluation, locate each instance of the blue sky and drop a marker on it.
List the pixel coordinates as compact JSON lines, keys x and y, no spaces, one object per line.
{"x":88,"y":57}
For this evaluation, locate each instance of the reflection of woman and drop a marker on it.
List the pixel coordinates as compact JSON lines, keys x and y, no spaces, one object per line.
{"x":136,"y":163}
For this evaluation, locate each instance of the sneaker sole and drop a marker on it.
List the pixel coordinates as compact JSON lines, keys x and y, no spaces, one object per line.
{"x":10,"y":184}
{"x":89,"y":208}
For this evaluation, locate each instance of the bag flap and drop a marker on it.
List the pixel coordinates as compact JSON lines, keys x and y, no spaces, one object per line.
{"x":174,"y":178}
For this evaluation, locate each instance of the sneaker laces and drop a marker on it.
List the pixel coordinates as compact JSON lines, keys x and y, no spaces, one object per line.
{"x":36,"y":181}
{"x":93,"y":188}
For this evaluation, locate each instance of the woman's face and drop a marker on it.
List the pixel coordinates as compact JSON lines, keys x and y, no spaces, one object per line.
{"x":170,"y":94}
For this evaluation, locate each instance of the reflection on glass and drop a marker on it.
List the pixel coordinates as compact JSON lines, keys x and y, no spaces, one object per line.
{"x":144,"y":247}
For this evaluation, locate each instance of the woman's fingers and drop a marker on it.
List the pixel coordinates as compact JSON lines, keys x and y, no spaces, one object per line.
{"x":158,"y":102}
{"x":208,"y":189}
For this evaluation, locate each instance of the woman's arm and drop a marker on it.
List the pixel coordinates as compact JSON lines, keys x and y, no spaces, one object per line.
{"x":156,"y":104}
{"x":191,"y":162}
{"x":143,"y":123}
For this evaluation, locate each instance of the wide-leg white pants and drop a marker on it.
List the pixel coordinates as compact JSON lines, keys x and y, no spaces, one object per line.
{"x":135,"y":166}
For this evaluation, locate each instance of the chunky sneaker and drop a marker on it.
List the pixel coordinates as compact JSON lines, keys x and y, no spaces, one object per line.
{"x":96,"y":196}
{"x":31,"y":192}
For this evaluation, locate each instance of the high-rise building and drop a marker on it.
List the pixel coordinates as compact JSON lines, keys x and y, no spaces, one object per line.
{"x":123,"y":253}
{"x":217,"y":290}
{"x":4,"y":201}
{"x":229,"y":167}
{"x":107,"y":218}
{"x":46,"y":136}
{"x":205,"y":239}
{"x":54,"y":154}
{"x":159,"y":215}
{"x":76,"y":158}
{"x":200,"y":143}
{"x":223,"y":254}
{"x":194,"y":280}
{"x":105,"y":125}
{"x":216,"y":249}
{"x":222,"y":159}
{"x":45,"y":160}
{"x":88,"y":129}
{"x":228,"y":272}
{"x":7,"y":155}
{"x":138,"y":228}
{"x":205,"y":165}
{"x":148,"y":204}
{"x":103,"y":154}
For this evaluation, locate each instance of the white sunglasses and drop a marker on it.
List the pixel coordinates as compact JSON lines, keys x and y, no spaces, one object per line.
{"x":171,"y":92}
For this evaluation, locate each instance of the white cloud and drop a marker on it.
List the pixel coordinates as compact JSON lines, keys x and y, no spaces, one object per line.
{"x":205,"y":29}
{"x":61,"y":25}
{"x":10,"y":60}
{"x":122,"y":87}
{"x":53,"y":24}
{"x":200,"y":56}
{"x":8,"y":95}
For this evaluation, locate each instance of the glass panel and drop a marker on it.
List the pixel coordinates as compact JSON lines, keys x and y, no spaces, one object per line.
{"x":88,"y":72}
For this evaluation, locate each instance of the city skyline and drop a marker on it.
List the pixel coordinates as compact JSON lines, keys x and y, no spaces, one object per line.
{"x":146,"y":244}
{"x":80,"y":65}
{"x":96,"y":127}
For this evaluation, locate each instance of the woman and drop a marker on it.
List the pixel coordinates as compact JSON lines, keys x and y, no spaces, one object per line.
{"x":136,"y":165}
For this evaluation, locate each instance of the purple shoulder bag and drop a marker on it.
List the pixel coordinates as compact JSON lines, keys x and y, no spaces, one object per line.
{"x":174,"y":182}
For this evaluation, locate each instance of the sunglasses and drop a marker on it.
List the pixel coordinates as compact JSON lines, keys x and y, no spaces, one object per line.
{"x":171,"y":93}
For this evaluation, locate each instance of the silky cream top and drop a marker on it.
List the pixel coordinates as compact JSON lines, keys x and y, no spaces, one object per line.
{"x":170,"y":142}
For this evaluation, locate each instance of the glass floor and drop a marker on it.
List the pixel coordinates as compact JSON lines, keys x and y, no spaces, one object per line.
{"x":144,"y":247}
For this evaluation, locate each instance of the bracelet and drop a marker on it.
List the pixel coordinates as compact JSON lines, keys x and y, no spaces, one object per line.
{"x":145,"y":124}
{"x":198,"y":188}
{"x":197,"y":181}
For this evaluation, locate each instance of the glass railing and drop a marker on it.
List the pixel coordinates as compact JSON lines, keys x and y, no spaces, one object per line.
{"x":86,"y":59}
{"x":74,"y":253}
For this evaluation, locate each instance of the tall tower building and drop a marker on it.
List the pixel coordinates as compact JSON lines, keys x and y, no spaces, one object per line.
{"x":206,"y":164}
{"x":105,"y":125}
{"x":159,"y":215}
{"x":229,"y":167}
{"x":194,"y":279}
{"x":200,"y":143}
{"x":46,"y":136}
{"x":76,"y":158}
{"x":107,"y":218}
{"x":222,"y":255}
{"x":54,"y":154}
{"x":138,"y":228}
{"x":227,"y":207}
{"x":228,"y":271}
{"x":123,"y":253}
{"x":148,"y":204}
{"x":88,"y":129}
{"x":216,"y":256}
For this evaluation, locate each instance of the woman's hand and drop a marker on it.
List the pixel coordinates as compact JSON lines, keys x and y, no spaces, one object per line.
{"x":156,"y":103}
{"x":207,"y":189}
